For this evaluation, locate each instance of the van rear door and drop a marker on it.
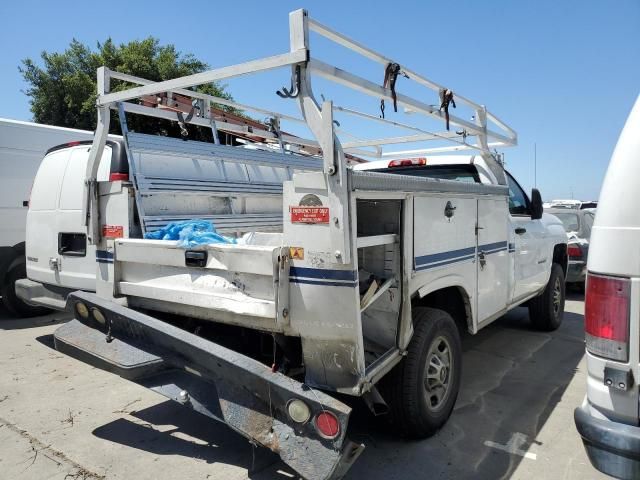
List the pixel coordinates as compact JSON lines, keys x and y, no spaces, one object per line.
{"x":57,"y":249}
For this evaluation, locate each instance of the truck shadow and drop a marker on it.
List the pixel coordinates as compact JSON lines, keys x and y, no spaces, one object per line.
{"x":188,"y":434}
{"x":10,"y":322}
{"x":513,"y":378}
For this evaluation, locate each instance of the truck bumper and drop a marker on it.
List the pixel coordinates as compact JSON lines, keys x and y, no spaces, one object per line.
{"x":612,"y":447}
{"x":42,"y":295}
{"x":212,"y":380}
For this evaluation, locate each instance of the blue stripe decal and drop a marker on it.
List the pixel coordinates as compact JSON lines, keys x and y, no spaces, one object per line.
{"x":322,"y":282}
{"x":102,"y":256}
{"x":512,"y":247}
{"x":445,"y":262}
{"x":454,"y":256}
{"x":322,"y":274}
{"x":439,"y":257}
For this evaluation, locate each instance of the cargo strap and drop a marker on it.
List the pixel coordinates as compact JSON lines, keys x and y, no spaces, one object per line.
{"x":182,"y":121}
{"x":446,"y":98}
{"x":390,"y":76}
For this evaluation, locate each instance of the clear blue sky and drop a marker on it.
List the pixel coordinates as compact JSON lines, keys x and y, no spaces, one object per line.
{"x":562,"y":73}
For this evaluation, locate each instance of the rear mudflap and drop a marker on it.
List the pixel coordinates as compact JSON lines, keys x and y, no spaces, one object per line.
{"x":211,"y":379}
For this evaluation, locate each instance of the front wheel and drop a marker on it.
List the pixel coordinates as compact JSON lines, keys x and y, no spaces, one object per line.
{"x":547,"y":309}
{"x":422,"y":389}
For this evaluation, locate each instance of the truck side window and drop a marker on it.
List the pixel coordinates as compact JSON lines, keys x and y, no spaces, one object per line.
{"x":518,"y":201}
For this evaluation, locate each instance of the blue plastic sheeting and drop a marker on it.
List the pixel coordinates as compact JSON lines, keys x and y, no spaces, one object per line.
{"x":190,"y":233}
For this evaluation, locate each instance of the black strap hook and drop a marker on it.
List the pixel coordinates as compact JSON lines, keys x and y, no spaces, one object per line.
{"x":294,"y":91}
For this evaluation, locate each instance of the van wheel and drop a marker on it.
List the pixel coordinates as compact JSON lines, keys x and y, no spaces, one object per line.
{"x":547,"y":309}
{"x":422,"y":389}
{"x":11,"y":301}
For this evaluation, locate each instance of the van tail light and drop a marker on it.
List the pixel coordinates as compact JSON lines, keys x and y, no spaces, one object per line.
{"x":606,"y":316}
{"x":574,"y":251}
{"x":408,"y":162}
{"x":114,"y":177}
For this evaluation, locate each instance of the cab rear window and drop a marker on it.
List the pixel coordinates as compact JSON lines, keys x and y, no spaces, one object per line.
{"x":459,"y":173}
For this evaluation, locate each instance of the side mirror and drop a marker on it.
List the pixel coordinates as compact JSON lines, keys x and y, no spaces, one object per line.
{"x":536,"y":204}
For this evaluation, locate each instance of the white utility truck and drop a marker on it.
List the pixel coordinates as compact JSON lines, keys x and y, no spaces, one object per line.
{"x":22,"y":146}
{"x":343,"y":280}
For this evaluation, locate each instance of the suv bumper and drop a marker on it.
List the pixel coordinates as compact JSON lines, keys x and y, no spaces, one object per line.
{"x":576,"y":272}
{"x":612,"y":447}
{"x":212,"y":380}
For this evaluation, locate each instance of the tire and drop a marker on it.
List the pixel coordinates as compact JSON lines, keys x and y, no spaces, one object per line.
{"x":416,"y":409}
{"x":11,"y":301}
{"x":547,"y":309}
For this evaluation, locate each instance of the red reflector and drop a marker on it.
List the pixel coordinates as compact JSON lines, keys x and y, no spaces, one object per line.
{"x":606,"y":316}
{"x":574,"y":251}
{"x":72,"y":144}
{"x":114,"y":177}
{"x":327,"y":424}
{"x":408,"y":162}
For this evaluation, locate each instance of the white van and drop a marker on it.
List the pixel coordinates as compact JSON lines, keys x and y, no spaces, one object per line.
{"x":59,"y":260}
{"x":22,"y":146}
{"x":608,"y":420}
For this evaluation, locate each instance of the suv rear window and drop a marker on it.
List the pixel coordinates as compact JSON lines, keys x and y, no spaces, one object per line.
{"x":460,"y":173}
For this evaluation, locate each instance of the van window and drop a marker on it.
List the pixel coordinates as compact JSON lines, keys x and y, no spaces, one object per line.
{"x":73,"y":182}
{"x":46,"y":186}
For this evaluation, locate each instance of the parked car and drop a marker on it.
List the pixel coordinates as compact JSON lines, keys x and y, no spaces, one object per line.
{"x":577,"y":224}
{"x":571,"y":204}
{"x":608,"y":419}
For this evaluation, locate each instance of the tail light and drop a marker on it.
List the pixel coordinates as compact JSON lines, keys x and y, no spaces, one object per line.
{"x":574,"y":251}
{"x":606,"y":316}
{"x":327,"y":425}
{"x":115,"y":176}
{"x":408,"y":162}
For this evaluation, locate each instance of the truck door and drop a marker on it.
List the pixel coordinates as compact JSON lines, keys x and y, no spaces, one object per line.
{"x":493,"y":275}
{"x":530,"y":265}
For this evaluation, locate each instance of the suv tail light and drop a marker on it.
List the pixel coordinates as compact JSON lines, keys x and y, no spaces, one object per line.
{"x":408,"y":162}
{"x":607,"y":316}
{"x":574,"y":251}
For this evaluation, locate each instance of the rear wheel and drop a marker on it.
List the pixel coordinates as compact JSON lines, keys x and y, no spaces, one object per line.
{"x":547,"y":309}
{"x":422,"y":389}
{"x":11,"y":301}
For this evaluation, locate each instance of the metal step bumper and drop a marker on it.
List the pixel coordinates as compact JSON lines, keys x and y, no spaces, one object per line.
{"x":211,"y":379}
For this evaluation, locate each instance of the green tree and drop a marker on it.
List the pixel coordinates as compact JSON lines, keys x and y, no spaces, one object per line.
{"x":62,"y":90}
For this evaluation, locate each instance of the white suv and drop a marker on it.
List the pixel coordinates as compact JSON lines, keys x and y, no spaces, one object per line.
{"x":608,"y":419}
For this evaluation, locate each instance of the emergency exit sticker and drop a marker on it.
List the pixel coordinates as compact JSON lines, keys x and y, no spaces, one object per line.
{"x":112,"y":231}
{"x":309,"y":214}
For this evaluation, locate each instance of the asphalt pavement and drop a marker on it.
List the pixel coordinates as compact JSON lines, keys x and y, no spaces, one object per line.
{"x":62,"y":419}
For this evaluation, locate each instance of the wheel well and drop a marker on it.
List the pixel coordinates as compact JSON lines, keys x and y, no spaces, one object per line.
{"x":560,"y":256}
{"x":453,"y":300}
{"x":8,"y":257}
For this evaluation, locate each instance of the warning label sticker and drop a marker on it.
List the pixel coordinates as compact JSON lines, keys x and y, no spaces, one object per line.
{"x":309,"y":214}
{"x":296,"y":253}
{"x":112,"y":231}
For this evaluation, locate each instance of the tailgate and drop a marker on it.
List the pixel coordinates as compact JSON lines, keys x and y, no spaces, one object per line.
{"x":244,"y":285}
